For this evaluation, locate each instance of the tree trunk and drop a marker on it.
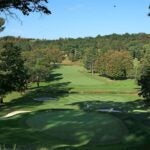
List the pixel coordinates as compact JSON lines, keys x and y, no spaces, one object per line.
{"x":38,"y":84}
{"x":1,"y":100}
{"x":92,"y":69}
{"x":37,"y":81}
{"x":26,"y":84}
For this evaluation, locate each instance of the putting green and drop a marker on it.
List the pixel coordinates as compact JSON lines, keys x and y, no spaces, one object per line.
{"x":78,"y":128}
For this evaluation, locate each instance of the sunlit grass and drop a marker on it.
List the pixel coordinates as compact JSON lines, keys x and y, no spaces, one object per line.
{"x":72,"y":120}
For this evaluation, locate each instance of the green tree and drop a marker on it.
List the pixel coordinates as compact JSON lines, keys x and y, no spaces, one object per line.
{"x":37,"y":62}
{"x":54,"y":55}
{"x":144,"y":79}
{"x":13,"y":75}
{"x":2,"y":22}
{"x":136,"y":49}
{"x":89,"y":59}
{"x":40,"y":62}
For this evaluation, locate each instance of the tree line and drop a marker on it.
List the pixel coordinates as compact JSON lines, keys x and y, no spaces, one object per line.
{"x":114,"y":56}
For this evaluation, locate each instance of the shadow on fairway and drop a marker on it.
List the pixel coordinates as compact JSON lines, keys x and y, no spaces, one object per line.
{"x":53,"y":90}
{"x":51,"y":78}
{"x":54,"y":77}
{"x":61,"y":129}
{"x":136,"y":106}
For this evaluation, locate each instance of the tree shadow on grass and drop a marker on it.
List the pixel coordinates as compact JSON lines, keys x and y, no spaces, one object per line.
{"x":54,"y":77}
{"x":66,"y":129}
{"x":132,"y":106}
{"x":52,"y":91}
{"x":135,"y":115}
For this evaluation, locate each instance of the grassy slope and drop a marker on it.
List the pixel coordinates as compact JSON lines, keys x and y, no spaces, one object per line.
{"x":85,"y":87}
{"x":81,"y":80}
{"x":63,"y":118}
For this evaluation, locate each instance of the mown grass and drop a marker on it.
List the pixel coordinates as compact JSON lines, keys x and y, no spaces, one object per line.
{"x":67,"y":122}
{"x":82,"y":80}
{"x":73,"y":84}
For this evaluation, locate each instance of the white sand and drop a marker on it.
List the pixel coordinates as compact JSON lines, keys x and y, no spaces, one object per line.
{"x":44,"y":98}
{"x":109,"y":110}
{"x":15,"y":113}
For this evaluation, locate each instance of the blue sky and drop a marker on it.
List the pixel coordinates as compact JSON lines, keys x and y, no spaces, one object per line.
{"x":82,"y":18}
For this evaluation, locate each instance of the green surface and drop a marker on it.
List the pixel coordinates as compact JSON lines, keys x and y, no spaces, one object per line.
{"x":80,"y":80}
{"x":78,"y":128}
{"x":72,"y":121}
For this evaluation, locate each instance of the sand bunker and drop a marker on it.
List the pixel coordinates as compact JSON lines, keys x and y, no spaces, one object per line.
{"x":109,"y":110}
{"x":44,"y":99}
{"x":15,"y":113}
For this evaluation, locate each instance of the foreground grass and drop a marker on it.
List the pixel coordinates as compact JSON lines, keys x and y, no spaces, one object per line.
{"x":72,"y":120}
{"x":80,"y":130}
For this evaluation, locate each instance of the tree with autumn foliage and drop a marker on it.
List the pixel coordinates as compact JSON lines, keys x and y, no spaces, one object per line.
{"x":54,"y":55}
{"x":115,"y":64}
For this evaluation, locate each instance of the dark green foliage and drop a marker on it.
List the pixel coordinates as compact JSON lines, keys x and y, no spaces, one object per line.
{"x":2,"y":22}
{"x":75,"y":48}
{"x":36,"y":64}
{"x":13,"y":75}
{"x":25,"y":6}
{"x":89,"y":59}
{"x":144,"y":80}
{"x":134,"y":43}
{"x":39,"y":63}
{"x":136,"y":49}
{"x":73,"y":52}
{"x":24,"y":45}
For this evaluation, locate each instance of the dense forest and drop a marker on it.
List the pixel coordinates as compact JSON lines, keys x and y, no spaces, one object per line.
{"x":136,"y":44}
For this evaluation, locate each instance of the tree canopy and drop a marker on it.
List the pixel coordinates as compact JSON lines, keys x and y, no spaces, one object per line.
{"x":2,"y":22}
{"x":25,"y":6}
{"x":13,"y":75}
{"x":115,"y":64}
{"x":144,"y":80}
